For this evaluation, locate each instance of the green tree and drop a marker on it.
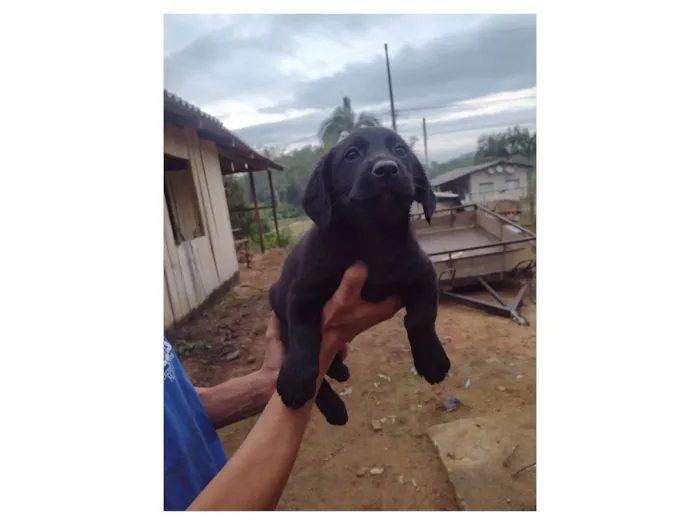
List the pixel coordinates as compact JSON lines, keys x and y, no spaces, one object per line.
{"x":235,"y":200}
{"x":343,"y":119}
{"x":513,"y":141}
{"x":462,"y":161}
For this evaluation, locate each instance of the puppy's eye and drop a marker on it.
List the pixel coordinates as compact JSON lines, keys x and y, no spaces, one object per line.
{"x":352,"y":154}
{"x":400,"y":150}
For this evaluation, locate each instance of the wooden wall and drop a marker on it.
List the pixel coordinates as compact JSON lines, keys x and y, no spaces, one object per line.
{"x":195,"y":268}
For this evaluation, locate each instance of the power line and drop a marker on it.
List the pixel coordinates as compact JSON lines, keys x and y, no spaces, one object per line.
{"x":454,"y":105}
{"x":500,"y":124}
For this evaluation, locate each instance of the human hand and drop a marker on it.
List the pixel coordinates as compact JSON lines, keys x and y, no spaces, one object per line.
{"x":275,"y":349}
{"x":346,"y":315}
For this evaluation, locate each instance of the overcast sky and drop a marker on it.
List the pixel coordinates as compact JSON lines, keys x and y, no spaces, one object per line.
{"x":274,"y":78}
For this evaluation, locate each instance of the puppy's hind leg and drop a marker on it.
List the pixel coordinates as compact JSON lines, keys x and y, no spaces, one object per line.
{"x":330,"y":405}
{"x":338,"y":370}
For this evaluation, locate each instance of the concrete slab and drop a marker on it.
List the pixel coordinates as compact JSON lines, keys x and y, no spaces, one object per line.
{"x":475,"y":452}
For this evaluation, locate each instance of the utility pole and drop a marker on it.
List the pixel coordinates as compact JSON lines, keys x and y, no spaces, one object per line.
{"x":425,"y":143}
{"x":391,"y":91}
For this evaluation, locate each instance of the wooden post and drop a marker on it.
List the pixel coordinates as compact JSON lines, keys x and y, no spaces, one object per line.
{"x":274,"y":205}
{"x":257,"y":212}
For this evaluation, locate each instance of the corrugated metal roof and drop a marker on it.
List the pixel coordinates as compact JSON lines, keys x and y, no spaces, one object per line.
{"x":467,"y":170}
{"x":213,"y":128}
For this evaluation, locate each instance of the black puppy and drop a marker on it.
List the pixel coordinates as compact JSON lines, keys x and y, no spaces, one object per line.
{"x":359,"y":196}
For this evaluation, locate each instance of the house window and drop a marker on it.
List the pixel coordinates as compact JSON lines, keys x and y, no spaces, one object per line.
{"x":485,"y":187}
{"x":181,"y":200}
{"x":513,"y":184}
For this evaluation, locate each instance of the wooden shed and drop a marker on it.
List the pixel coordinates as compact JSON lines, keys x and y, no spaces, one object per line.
{"x":199,"y":253}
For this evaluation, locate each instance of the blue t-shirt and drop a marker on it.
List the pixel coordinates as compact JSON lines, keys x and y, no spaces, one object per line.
{"x":193,"y":452}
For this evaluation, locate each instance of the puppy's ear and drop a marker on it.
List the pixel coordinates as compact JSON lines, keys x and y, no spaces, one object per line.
{"x":317,"y":198}
{"x":424,"y":193}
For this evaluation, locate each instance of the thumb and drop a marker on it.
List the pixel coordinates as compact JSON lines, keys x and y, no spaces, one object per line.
{"x":273,"y":328}
{"x":352,"y":283}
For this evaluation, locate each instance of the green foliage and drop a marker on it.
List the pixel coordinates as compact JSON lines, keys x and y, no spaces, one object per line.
{"x":289,"y":185}
{"x":343,"y":119}
{"x":235,"y":200}
{"x":270,"y":239}
{"x":437,"y":168}
{"x":513,"y":141}
{"x":185,"y":348}
{"x":532,"y":195}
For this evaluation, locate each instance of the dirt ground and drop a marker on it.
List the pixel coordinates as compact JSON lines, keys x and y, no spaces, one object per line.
{"x":494,"y":354}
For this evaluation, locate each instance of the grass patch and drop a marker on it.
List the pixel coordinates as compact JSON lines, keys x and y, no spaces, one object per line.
{"x":271,"y":241}
{"x":185,"y":348}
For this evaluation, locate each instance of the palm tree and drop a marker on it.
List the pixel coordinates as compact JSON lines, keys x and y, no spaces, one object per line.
{"x":344,"y":120}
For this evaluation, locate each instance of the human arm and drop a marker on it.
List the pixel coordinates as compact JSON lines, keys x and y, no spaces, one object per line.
{"x":246,"y":396}
{"x":254,"y":477}
{"x":238,"y":398}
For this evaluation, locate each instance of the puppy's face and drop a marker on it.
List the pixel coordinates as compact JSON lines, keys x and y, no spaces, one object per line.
{"x":370,"y":175}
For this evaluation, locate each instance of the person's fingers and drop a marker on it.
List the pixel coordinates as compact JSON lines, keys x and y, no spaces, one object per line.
{"x":344,"y":352}
{"x":273,"y":329}
{"x":374,"y":313}
{"x":351,"y":285}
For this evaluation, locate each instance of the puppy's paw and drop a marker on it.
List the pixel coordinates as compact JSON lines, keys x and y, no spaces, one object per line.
{"x":330,"y":405}
{"x":433,"y":364}
{"x":339,"y":371}
{"x":296,"y":384}
{"x":338,"y":416}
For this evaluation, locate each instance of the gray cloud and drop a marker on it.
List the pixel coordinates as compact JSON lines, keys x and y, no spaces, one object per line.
{"x":218,"y":60}
{"x":499,"y":56}
{"x":211,"y":58}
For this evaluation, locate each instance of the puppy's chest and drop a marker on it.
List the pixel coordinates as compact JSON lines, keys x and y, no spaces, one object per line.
{"x":384,"y":282}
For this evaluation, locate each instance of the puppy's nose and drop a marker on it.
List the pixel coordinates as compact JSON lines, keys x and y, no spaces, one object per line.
{"x":383,"y":168}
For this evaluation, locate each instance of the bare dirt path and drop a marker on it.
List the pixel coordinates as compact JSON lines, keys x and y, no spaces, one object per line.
{"x":332,"y":472}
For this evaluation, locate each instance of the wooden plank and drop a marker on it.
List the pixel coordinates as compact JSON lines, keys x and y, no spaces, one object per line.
{"x":224,"y":249}
{"x":204,"y":266}
{"x":168,"y":317}
{"x":194,"y":284}
{"x":174,"y":142}
{"x":173,"y":273}
{"x":199,"y":176}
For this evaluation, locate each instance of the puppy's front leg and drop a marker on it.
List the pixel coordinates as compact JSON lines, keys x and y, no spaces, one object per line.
{"x":338,"y":370}
{"x":421,"y":302}
{"x":296,"y":383}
